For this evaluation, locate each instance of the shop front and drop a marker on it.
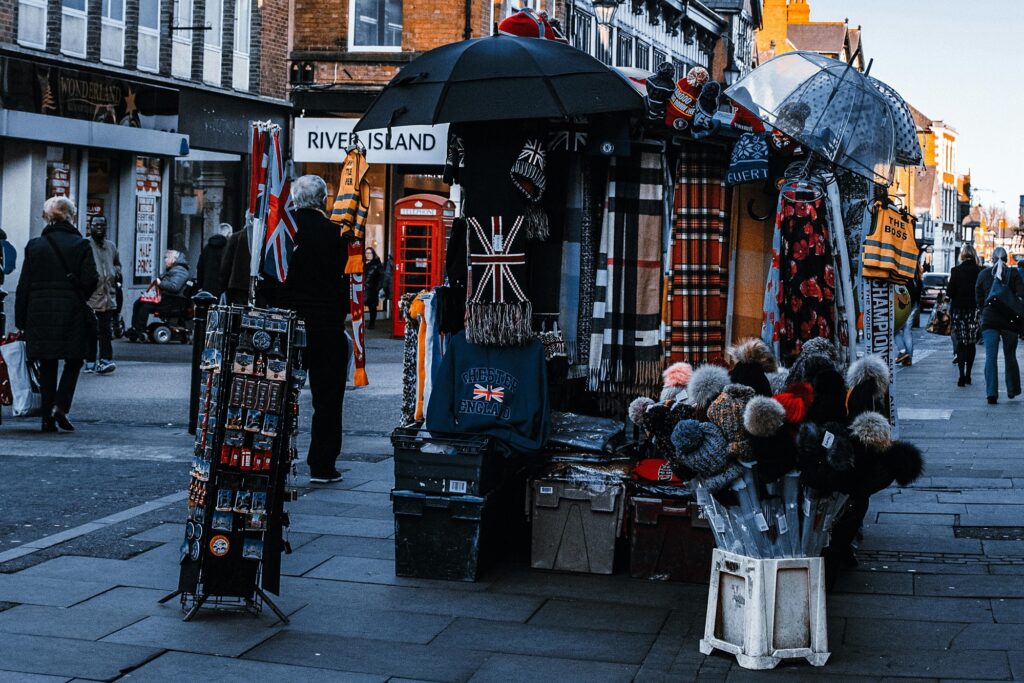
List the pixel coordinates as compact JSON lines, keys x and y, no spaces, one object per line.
{"x":106,"y":143}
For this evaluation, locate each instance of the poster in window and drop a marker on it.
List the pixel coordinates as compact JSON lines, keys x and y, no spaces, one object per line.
{"x":145,"y":239}
{"x":58,"y":179}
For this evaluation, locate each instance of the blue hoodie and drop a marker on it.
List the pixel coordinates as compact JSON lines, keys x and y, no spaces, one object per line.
{"x":501,"y":391}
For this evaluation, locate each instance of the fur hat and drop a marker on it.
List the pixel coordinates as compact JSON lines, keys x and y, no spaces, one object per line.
{"x":868,"y":379}
{"x":763,"y":416}
{"x":775,"y":455}
{"x":751,"y":375}
{"x":726,"y":412}
{"x":700,"y":446}
{"x":777,"y":380}
{"x":638,"y":408}
{"x":824,"y":455}
{"x":816,"y":355}
{"x":676,"y":377}
{"x":796,"y":400}
{"x":829,"y":403}
{"x":905,"y":462}
{"x":872,"y":430}
{"x":706,"y":383}
{"x":752,"y":350}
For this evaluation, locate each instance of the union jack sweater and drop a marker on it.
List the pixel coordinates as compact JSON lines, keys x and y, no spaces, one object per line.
{"x":501,"y":391}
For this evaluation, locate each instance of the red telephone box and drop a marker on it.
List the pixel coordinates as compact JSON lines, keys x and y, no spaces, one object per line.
{"x":422,"y":222}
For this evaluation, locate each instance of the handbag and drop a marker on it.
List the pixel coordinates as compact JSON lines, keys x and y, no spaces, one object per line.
{"x":941,"y":322}
{"x":91,"y":322}
{"x":24,"y":388}
{"x":1005,"y":303}
{"x":153,"y":298}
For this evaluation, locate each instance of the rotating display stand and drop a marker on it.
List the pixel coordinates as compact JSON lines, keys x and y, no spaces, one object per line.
{"x":251,"y":374}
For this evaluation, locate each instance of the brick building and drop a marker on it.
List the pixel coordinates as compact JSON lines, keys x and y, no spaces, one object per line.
{"x":138,"y":110}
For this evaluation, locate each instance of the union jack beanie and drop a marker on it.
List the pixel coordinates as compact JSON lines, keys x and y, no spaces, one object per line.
{"x":528,"y":170}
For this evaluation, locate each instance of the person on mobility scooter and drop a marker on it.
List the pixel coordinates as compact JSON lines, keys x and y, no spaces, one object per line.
{"x":168,"y":301}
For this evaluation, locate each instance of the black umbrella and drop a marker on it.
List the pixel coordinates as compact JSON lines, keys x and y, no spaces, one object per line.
{"x":498,"y":78}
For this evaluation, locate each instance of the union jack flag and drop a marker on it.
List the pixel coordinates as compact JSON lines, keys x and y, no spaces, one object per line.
{"x":279,"y":241}
{"x":496,"y":261}
{"x":488,"y":393}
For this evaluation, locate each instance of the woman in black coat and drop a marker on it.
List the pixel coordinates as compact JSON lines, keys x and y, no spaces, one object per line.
{"x":57,"y":276}
{"x":963,"y":309}
{"x":374,"y":271}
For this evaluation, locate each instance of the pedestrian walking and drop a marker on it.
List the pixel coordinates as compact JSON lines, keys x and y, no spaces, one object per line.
{"x":374,"y":277}
{"x":57,"y":276}
{"x":904,"y":339}
{"x":104,"y":299}
{"x":208,"y":267}
{"x":171,"y":283}
{"x":963,"y":309}
{"x":234,"y":267}
{"x":317,"y":289}
{"x":1003,"y":284}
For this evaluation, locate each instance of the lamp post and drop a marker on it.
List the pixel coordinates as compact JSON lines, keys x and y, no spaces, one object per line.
{"x":604,"y":12}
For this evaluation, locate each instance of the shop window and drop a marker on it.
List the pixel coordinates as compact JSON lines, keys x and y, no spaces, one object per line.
{"x":582,"y":31}
{"x":112,"y":31}
{"x":243,"y":26}
{"x":212,"y":41}
{"x":149,"y":35}
{"x":181,"y":43}
{"x":72,"y":31}
{"x":202,"y":199}
{"x":148,"y":190}
{"x":32,"y":23}
{"x":375,"y":25}
{"x":624,"y":49}
{"x":643,"y":56}
{"x":59,"y":172}
{"x":101,"y":200}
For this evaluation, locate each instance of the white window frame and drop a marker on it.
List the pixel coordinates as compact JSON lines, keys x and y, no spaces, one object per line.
{"x":240,"y":58}
{"x":181,"y":41}
{"x":39,"y":5}
{"x":352,"y":47}
{"x":152,"y":33}
{"x":110,"y":25}
{"x":74,"y":14}
{"x":213,"y":54}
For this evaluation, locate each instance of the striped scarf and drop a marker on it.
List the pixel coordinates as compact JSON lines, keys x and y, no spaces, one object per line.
{"x":625,"y":340}
{"x":698,"y":269}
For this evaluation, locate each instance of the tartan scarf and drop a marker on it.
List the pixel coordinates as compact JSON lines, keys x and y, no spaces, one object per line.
{"x":625,"y":339}
{"x":569,"y":301}
{"x":585,"y":309}
{"x":498,"y":312}
{"x":699,"y":266}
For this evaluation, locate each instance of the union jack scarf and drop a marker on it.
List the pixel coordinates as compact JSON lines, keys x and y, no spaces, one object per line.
{"x":626,"y":336}
{"x":498,"y":312}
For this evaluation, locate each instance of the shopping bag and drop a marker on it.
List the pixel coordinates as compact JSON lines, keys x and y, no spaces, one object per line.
{"x":151,"y":295}
{"x":890,"y":247}
{"x":6,"y":397}
{"x":941,"y":323}
{"x":24,"y":388}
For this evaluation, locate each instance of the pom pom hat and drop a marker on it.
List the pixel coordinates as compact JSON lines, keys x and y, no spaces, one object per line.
{"x":706,"y":383}
{"x":700,"y":446}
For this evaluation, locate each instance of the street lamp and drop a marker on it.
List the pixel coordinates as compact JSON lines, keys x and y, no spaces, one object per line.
{"x":604,"y":12}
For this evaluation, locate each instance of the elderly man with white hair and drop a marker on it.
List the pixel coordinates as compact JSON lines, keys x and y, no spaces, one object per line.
{"x":57,"y":277}
{"x":317,"y":289}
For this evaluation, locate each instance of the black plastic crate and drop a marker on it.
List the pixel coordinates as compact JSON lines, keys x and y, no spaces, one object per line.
{"x":464,"y":464}
{"x":453,"y":538}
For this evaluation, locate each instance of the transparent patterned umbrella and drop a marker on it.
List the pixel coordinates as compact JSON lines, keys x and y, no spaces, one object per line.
{"x":827,"y":106}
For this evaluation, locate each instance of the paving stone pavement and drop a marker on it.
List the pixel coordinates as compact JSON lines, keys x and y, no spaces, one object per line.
{"x":938,"y":594}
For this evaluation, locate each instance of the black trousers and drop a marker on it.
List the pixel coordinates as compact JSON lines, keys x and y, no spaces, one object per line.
{"x":54,"y":394}
{"x":140,"y":314}
{"x":102,"y":338}
{"x":326,"y":361}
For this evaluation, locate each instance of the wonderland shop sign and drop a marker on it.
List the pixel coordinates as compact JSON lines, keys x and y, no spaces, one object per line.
{"x":39,"y":88}
{"x":325,"y":140}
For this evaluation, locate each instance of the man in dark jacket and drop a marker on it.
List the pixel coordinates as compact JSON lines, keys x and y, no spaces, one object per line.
{"x":58,"y":274}
{"x":172,"y":283}
{"x":317,"y":289}
{"x":208,"y":268}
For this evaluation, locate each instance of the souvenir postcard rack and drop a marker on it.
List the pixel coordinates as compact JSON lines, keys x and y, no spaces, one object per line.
{"x":251,"y":375}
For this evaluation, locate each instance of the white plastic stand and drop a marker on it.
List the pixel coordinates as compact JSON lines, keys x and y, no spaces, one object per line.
{"x":764,"y":611}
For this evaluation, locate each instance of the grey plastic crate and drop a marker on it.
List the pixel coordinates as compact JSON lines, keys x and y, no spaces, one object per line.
{"x":576,"y":524}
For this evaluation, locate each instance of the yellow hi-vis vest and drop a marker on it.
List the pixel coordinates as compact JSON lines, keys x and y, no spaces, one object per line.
{"x":890,"y":250}
{"x":353,"y":200}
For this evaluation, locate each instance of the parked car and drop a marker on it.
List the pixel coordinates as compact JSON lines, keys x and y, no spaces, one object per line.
{"x":933,"y":288}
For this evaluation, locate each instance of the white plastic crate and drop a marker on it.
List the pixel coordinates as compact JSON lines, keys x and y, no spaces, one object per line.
{"x":764,"y":611}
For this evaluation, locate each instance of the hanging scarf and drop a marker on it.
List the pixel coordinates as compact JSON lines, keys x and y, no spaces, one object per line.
{"x":354,"y":270}
{"x":771,"y":323}
{"x":625,"y":340}
{"x":569,"y":299}
{"x":408,"y":359}
{"x":585,"y":311}
{"x":698,"y":269}
{"x":846,"y":315}
{"x":497,"y":310}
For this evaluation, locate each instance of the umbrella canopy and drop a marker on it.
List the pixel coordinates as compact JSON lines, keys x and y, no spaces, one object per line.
{"x":826,"y":105}
{"x":500,"y":78}
{"x":907,"y":148}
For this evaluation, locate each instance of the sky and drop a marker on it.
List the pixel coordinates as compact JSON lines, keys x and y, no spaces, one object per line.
{"x":958,"y":61}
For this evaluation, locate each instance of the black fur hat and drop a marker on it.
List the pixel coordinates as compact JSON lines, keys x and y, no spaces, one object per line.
{"x":829,"y":403}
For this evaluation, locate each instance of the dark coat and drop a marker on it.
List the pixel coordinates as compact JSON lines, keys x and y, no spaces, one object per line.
{"x":317,"y":287}
{"x":960,"y":288}
{"x":234,"y":265}
{"x":374,"y":272}
{"x":48,"y":309}
{"x":991,"y":319}
{"x":208,"y":268}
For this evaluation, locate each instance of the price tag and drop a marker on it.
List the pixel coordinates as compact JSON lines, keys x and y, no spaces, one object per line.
{"x":762,"y":523}
{"x":828,"y":439}
{"x":456,"y":486}
{"x":781,"y":523}
{"x":807,"y":507}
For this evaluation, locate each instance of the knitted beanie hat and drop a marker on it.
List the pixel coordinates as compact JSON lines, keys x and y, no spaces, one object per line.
{"x":656,"y":469}
{"x":526,"y":23}
{"x":683,"y":104}
{"x":829,"y":403}
{"x":796,"y":400}
{"x":528,"y":169}
{"x":746,"y":121}
{"x":815,"y":355}
{"x":637,"y":408}
{"x":751,"y":375}
{"x":659,"y":89}
{"x":706,"y":383}
{"x":676,"y":377}
{"x":716,"y":482}
{"x":658,"y":423}
{"x":749,"y":162}
{"x":700,"y":446}
{"x":726,"y":412}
